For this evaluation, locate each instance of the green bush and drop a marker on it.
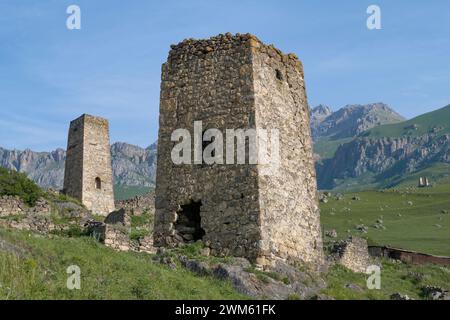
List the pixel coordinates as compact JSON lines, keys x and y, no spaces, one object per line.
{"x":14,"y":183}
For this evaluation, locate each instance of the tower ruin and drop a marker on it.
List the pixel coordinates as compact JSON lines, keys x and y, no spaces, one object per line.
{"x":88,"y":173}
{"x":237,"y":82}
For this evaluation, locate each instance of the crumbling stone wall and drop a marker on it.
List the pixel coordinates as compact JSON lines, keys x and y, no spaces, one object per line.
{"x":114,"y":232}
{"x":237,"y":82}
{"x":88,"y":173}
{"x":145,"y":244}
{"x":35,"y":218}
{"x":10,"y":205}
{"x":117,"y":237}
{"x":353,"y":254}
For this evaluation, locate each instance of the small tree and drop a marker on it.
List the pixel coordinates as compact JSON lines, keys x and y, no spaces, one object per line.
{"x":14,"y":183}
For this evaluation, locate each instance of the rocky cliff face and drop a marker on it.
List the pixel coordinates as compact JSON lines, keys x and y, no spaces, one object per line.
{"x":46,"y":168}
{"x":318,"y":115}
{"x":132,"y":165}
{"x":350,"y":120}
{"x":382,"y":158}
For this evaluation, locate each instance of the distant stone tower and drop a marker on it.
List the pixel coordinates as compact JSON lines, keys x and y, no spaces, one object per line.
{"x":237,"y":82}
{"x":88,"y":174}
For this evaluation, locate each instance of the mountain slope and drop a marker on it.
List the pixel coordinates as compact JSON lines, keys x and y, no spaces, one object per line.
{"x":435,"y":122}
{"x":132,"y":165}
{"x":45,"y":168}
{"x":350,"y":120}
{"x":386,"y":155}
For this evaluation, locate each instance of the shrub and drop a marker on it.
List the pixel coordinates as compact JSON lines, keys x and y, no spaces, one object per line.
{"x":14,"y":183}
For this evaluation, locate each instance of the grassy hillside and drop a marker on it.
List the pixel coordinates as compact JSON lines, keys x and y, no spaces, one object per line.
{"x":369,"y":181}
{"x":438,"y":121}
{"x":395,"y":277}
{"x":34,"y":266}
{"x":415,"y":219}
{"x":38,"y":271}
{"x":437,"y":173}
{"x":105,"y":274}
{"x":326,"y":147}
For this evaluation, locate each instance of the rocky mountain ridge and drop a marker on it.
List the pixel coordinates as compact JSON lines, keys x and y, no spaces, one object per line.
{"x":383,"y":160}
{"x":385,"y":155}
{"x":350,"y":120}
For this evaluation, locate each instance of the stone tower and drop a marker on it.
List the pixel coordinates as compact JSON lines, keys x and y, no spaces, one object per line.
{"x":88,"y":174}
{"x":237,"y":82}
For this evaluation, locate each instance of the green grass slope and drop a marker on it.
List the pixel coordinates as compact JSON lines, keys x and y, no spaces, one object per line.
{"x":437,"y":173}
{"x":426,"y":123}
{"x":415,"y":219}
{"x":395,"y":278}
{"x":127,"y":192}
{"x":39,"y":272}
{"x":326,"y":147}
{"x":105,"y":274}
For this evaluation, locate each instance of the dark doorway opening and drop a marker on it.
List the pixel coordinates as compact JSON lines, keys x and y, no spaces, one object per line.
{"x":189,"y":224}
{"x":98,"y":183}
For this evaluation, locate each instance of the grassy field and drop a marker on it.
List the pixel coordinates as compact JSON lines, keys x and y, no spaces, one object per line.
{"x":105,"y":273}
{"x":412,"y":218}
{"x":39,"y":272}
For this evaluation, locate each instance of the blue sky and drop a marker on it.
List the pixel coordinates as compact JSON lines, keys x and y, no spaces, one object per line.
{"x":50,"y":75}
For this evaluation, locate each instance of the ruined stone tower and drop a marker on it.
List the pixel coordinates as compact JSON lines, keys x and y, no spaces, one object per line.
{"x":88,"y":174}
{"x":237,"y":82}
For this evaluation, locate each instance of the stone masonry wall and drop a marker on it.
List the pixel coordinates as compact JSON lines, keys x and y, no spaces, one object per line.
{"x":209,"y":81}
{"x":116,"y":228}
{"x":117,"y":238}
{"x":236,"y":82}
{"x":73,"y":173}
{"x":290,"y":216}
{"x":353,"y":254}
{"x":15,"y":214}
{"x":11,"y":206}
{"x":89,"y":160}
{"x":97,"y":164}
